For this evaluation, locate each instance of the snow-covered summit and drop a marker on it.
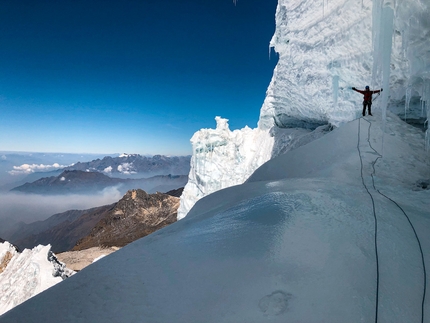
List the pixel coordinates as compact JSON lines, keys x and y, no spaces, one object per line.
{"x":25,"y":274}
{"x":124,"y":155}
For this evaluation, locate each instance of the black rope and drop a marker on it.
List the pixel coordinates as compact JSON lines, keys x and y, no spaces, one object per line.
{"x":407,"y":218}
{"x":375,"y":227}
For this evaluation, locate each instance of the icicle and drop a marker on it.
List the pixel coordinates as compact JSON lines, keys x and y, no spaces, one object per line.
{"x":425,"y":99}
{"x":335,"y":90}
{"x":323,"y":7}
{"x":407,"y":99}
{"x":376,"y":39}
{"x":386,"y":46}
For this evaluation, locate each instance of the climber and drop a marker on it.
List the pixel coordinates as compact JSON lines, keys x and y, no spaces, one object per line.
{"x":367,"y":100}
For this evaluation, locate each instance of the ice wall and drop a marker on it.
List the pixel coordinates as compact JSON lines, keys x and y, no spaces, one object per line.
{"x":23,"y":275}
{"x":412,"y":55}
{"x":327,"y":47}
{"x":409,"y":65}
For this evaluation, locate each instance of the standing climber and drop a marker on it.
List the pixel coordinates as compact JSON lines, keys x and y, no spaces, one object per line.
{"x":367,"y":100}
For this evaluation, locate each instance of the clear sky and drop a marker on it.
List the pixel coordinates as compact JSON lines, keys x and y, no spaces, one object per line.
{"x":134,"y":76}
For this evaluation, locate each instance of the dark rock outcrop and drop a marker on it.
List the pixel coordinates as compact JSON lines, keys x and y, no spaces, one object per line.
{"x":176,"y":193}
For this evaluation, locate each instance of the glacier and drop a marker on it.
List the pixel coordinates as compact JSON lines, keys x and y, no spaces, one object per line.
{"x":25,"y":274}
{"x":324,"y":50}
{"x":316,"y":215}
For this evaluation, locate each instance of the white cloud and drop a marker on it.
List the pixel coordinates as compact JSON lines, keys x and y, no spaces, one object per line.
{"x":62,"y":179}
{"x":108,"y":170}
{"x":28,"y":169}
{"x":126,"y":168}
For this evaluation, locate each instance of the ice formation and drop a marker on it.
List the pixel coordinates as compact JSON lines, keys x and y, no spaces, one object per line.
{"x":23,"y":275}
{"x":222,"y":158}
{"x":323,"y":52}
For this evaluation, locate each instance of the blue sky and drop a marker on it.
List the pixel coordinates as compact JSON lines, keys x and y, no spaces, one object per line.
{"x":129,"y":76}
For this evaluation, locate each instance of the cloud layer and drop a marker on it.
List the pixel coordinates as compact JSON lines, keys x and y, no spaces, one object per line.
{"x":17,"y":207}
{"x":31,"y":168}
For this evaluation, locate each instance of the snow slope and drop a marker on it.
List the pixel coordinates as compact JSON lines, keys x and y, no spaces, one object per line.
{"x":28,"y":273}
{"x":295,"y":243}
{"x":325,"y":48}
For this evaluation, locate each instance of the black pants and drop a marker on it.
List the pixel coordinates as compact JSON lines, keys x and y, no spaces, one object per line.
{"x":369,"y":104}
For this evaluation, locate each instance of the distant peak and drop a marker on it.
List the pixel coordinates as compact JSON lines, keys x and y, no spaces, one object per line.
{"x":124,"y":155}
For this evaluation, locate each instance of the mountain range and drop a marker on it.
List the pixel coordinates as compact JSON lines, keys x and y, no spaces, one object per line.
{"x":135,"y":164}
{"x":79,"y":182}
{"x":126,"y":166}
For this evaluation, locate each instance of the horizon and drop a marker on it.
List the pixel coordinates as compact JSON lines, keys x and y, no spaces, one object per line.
{"x":83,"y":153}
{"x":134,"y":77}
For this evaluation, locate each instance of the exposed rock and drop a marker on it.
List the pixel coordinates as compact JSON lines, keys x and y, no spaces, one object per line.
{"x":176,"y":193}
{"x":78,"y":260}
{"x":136,"y":215}
{"x":4,"y":261}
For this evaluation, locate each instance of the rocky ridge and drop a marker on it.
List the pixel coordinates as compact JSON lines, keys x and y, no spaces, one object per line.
{"x":136,"y":215}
